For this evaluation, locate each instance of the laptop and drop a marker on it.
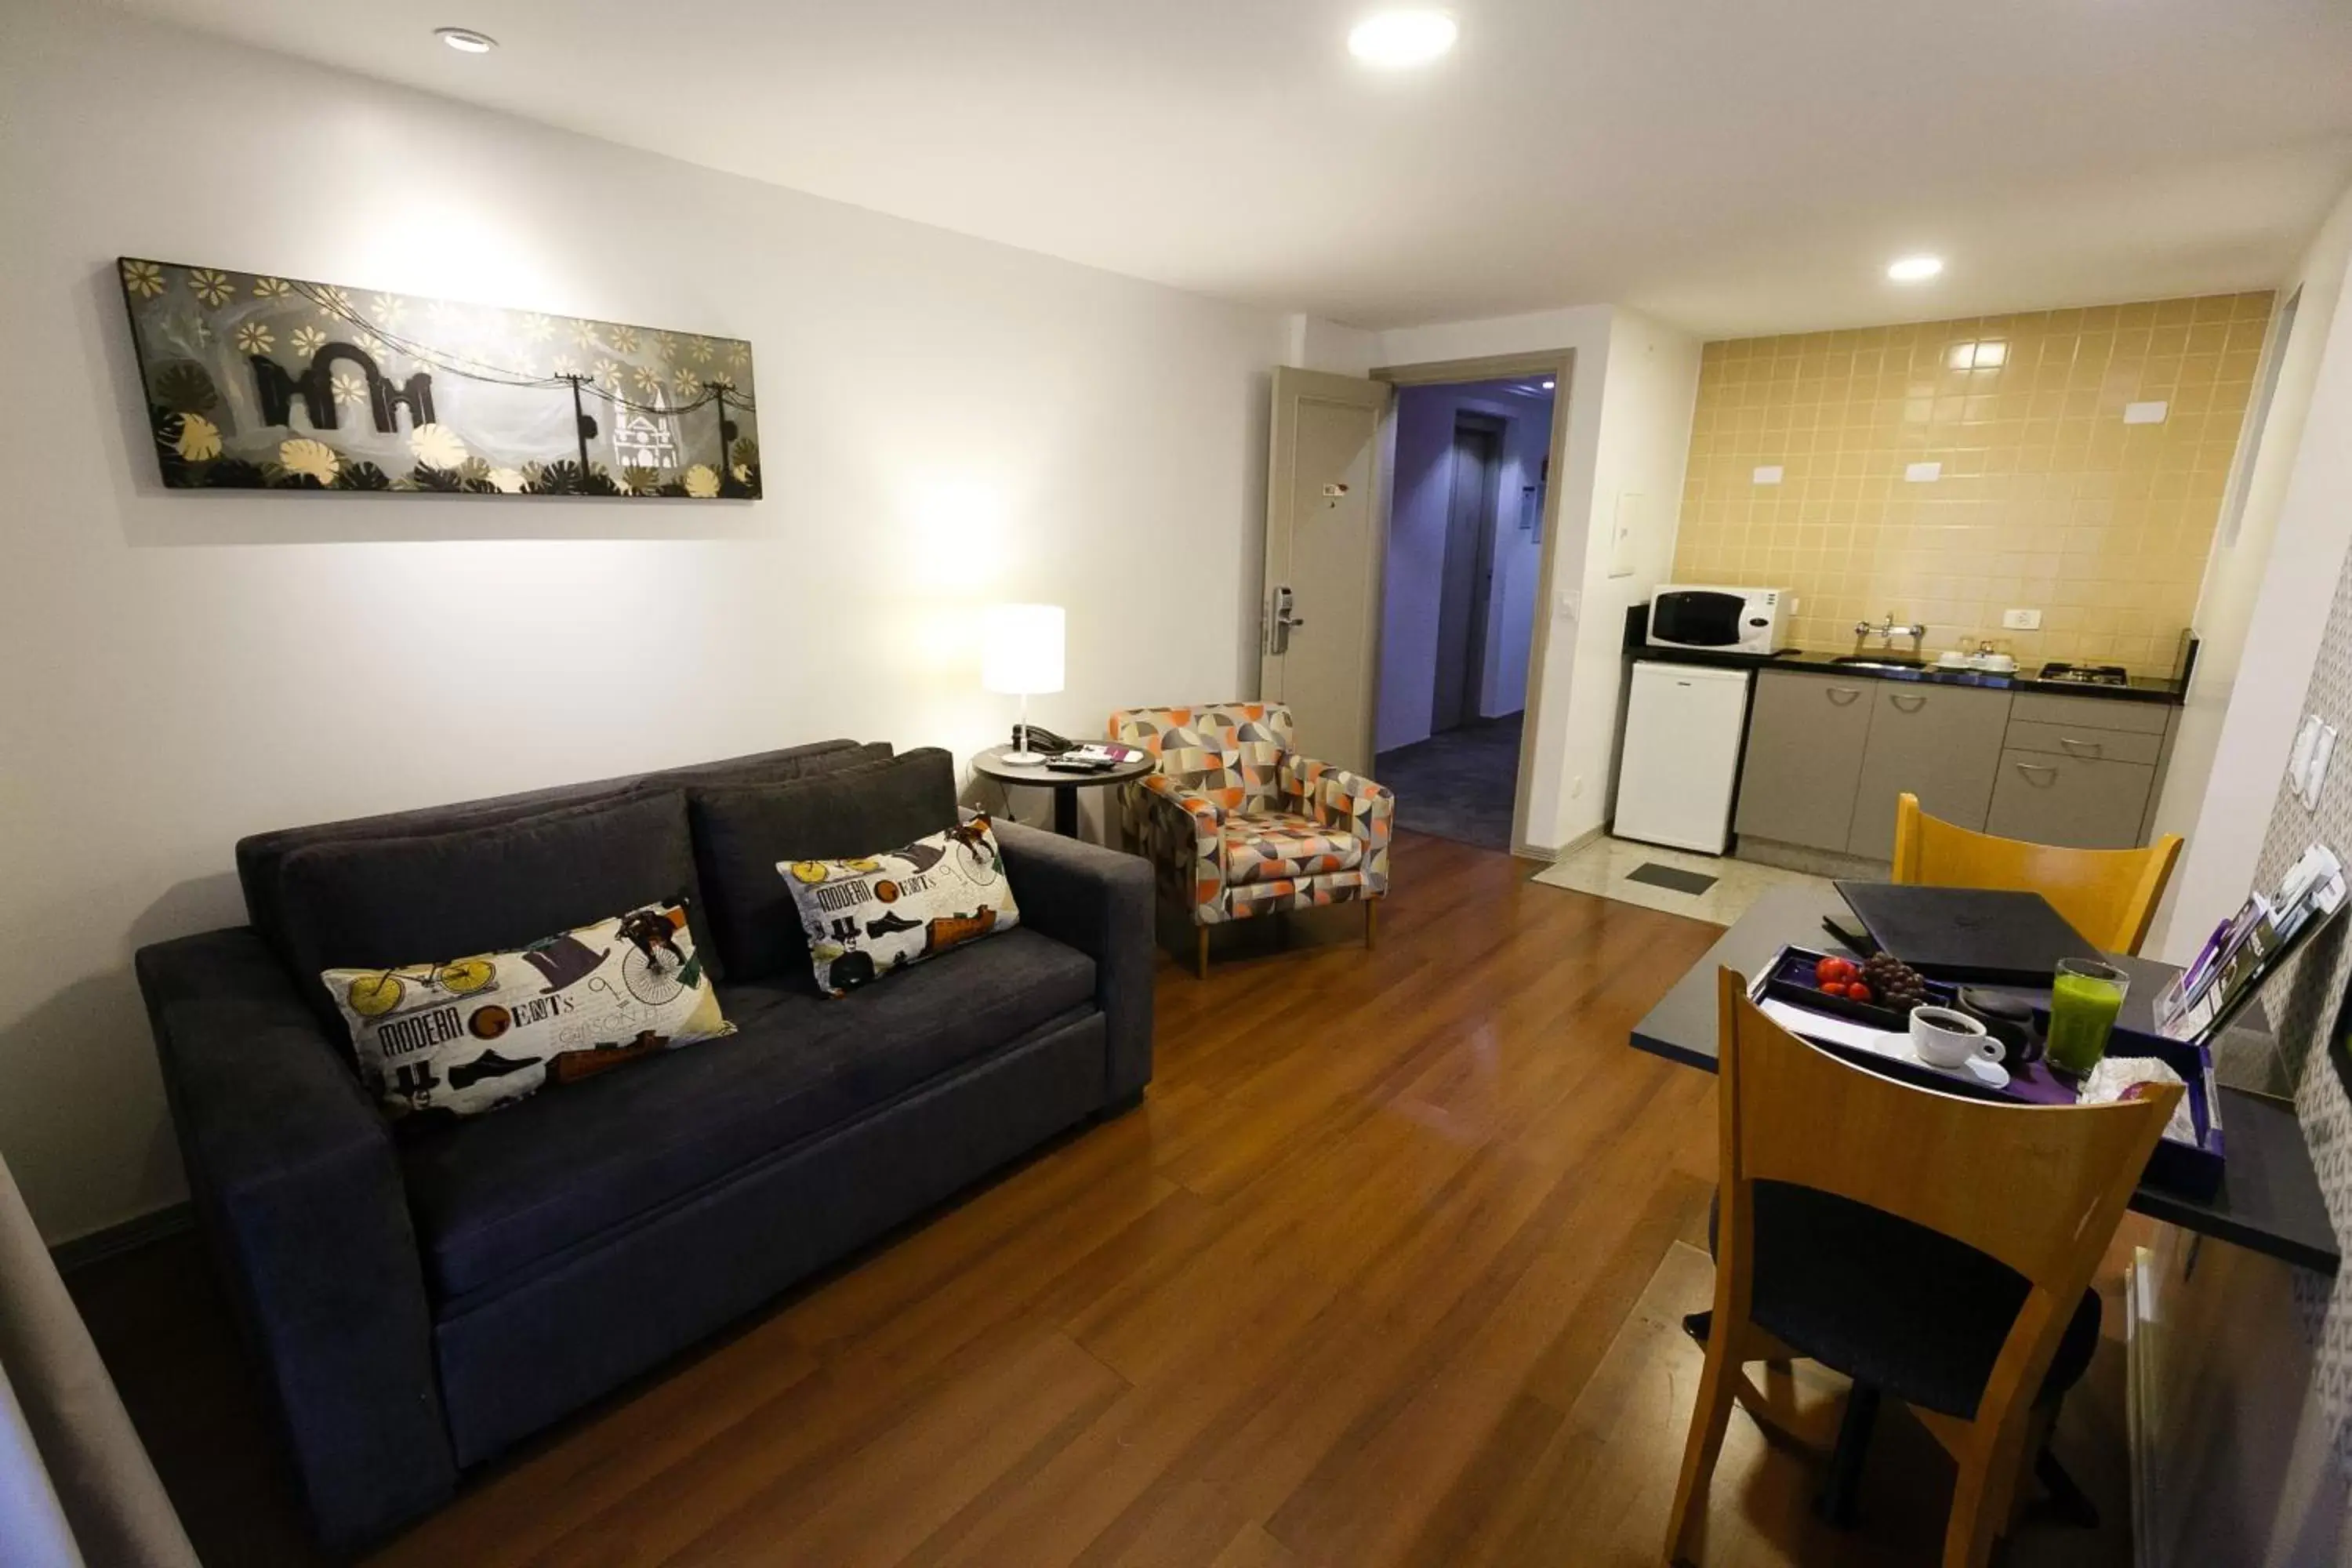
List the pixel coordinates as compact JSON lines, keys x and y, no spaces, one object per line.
{"x":1983,"y":936}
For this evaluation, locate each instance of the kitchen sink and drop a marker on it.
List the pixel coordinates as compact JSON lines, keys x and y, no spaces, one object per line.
{"x":1879,"y":661}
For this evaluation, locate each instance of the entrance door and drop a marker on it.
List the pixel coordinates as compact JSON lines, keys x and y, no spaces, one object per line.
{"x":1467,"y":581}
{"x":1323,"y":560}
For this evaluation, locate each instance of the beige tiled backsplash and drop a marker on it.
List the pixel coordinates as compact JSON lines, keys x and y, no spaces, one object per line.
{"x":2046,"y":498}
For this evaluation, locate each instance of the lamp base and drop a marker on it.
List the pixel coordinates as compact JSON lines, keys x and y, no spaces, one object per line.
{"x":1022,"y":759}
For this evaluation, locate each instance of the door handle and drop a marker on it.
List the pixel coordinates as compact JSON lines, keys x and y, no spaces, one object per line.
{"x":1844,"y":695}
{"x":2030,"y":768}
{"x":1281,"y":616}
{"x":1918,"y":700}
{"x":2075,"y":748}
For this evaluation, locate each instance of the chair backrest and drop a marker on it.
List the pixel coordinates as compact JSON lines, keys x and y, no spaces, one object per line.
{"x":2108,"y":895}
{"x":2040,"y":1188}
{"x":1230,"y":751}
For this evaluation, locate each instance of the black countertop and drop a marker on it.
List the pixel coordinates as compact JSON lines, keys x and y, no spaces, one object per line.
{"x":2269,"y":1202}
{"x":2142,"y":689}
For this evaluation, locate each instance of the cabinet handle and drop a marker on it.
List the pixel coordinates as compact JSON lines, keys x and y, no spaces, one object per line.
{"x":2030,"y":768}
{"x":2075,"y":748}
{"x":1844,"y":695}
{"x":1918,"y":700}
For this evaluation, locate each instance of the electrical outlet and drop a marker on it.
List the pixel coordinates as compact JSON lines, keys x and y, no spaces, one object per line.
{"x":2021,"y":620}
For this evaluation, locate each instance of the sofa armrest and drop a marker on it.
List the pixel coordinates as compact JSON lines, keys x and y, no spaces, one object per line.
{"x":1348,"y":803}
{"x":1099,"y":901}
{"x":298,"y":1189}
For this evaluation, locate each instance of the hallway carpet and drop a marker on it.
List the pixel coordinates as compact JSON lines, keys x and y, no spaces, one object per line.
{"x":1458,"y":784}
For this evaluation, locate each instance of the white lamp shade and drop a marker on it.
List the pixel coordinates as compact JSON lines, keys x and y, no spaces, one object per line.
{"x":1021,"y":649}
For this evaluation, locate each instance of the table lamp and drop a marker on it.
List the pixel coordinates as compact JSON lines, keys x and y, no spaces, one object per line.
{"x":1020,"y":654}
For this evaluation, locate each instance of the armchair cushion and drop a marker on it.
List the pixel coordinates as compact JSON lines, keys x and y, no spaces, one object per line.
{"x":1272,"y":846}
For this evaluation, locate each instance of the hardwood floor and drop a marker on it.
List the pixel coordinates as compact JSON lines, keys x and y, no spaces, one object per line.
{"x":1386,"y":1269}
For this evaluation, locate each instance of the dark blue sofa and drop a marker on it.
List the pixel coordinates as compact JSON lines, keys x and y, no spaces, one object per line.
{"x":421,"y":1298}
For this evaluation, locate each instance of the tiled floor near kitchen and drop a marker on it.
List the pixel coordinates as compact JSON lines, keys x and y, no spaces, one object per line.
{"x":1615,"y":869}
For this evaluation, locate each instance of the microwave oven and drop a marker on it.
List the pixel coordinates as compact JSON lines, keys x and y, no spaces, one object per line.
{"x":1721,"y":619}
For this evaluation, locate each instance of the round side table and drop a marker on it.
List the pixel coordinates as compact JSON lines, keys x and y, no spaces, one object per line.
{"x":991,"y":763}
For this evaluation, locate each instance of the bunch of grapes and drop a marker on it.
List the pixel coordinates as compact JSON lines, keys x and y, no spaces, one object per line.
{"x":1895,"y":982}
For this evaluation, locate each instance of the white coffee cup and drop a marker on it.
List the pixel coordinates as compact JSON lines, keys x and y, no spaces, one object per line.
{"x":1944,"y":1038}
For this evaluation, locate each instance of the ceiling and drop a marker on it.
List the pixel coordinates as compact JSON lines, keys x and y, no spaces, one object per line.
{"x":1732,"y":166}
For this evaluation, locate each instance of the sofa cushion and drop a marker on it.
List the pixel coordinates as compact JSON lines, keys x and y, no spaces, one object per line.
{"x":494,"y":1196}
{"x":874,"y":914}
{"x":261,"y":857}
{"x":464,"y":1036}
{"x":743,"y":831}
{"x":375,"y":903}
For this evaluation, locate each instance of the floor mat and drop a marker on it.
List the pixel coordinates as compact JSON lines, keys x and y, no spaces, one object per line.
{"x":1670,"y":878}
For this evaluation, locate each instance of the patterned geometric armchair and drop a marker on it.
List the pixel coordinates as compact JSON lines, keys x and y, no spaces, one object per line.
{"x":1239,"y":824}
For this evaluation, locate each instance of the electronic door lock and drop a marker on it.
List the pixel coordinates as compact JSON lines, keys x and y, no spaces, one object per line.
{"x":1281,"y":616}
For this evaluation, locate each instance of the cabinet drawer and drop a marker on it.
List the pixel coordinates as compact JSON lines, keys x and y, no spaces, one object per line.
{"x":2072,"y":801}
{"x":2081,"y":740}
{"x":2092,"y":712}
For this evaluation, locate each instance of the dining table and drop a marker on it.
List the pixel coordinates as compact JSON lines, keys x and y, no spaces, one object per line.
{"x":2269,"y":1200}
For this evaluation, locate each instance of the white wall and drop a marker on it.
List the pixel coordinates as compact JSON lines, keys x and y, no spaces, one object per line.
{"x":944,"y":421}
{"x":1421,"y":501}
{"x":2264,"y":605}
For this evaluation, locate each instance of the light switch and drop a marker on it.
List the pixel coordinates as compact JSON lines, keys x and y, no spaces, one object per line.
{"x":2145,"y":412}
{"x":2321,"y":753}
{"x":1922,"y":473}
{"x":1571,"y":605}
{"x":2021,"y":620}
{"x":2298,"y":761}
{"x":1625,"y":542}
{"x":1769,"y":474}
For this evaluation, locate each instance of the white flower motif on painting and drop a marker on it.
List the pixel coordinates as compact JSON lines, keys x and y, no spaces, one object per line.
{"x":335,"y":301}
{"x":700,"y":349}
{"x":143,"y":279}
{"x":506,"y":481}
{"x":607,"y":373}
{"x":537,"y":328}
{"x":350,"y":388}
{"x":271,"y":288}
{"x":687,"y":382}
{"x":584,"y":333}
{"x":702,"y":481}
{"x":255,"y":338}
{"x":565,"y":366}
{"x":624,"y":340}
{"x":213,"y":288}
{"x":388,"y":309}
{"x":437,"y":447}
{"x":720,"y":378}
{"x":739,"y":353}
{"x":649,"y":380}
{"x":315,"y":459}
{"x":198,"y":440}
{"x":308,"y":341}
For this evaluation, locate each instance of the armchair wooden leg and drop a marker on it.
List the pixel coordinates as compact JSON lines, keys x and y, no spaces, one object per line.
{"x":1371,"y":925}
{"x":1201,"y":953}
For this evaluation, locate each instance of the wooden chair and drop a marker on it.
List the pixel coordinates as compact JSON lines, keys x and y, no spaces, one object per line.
{"x":1918,"y":1209}
{"x":2108,"y":895}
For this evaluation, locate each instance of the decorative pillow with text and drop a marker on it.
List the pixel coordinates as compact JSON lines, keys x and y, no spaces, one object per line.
{"x":868,"y":916}
{"x":474,"y":1034}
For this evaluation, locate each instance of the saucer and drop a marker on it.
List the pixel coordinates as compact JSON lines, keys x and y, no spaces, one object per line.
{"x":1993,"y":1075}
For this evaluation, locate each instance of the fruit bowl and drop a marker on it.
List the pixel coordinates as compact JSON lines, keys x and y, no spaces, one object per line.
{"x":1793,"y":979}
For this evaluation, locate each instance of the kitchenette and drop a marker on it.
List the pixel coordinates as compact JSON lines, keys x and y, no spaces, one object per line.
{"x":1801,"y":755}
{"x":1957,"y":560}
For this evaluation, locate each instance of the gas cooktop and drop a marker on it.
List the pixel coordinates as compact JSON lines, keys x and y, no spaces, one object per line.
{"x":2087,"y":674}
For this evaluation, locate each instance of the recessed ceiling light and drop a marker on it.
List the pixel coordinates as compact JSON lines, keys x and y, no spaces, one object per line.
{"x":1548,"y":386}
{"x":1395,"y":40}
{"x":465,"y":41}
{"x":1915,"y":269}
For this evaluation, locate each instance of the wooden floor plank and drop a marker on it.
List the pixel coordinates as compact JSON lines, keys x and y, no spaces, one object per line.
{"x":1386,"y":1269}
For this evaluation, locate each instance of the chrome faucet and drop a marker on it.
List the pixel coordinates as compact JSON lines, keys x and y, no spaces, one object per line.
{"x":1886,"y":632}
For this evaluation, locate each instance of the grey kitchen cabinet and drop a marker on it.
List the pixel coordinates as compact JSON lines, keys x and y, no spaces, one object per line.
{"x":1806,"y":735}
{"x":2084,"y":802}
{"x":1942,"y":743}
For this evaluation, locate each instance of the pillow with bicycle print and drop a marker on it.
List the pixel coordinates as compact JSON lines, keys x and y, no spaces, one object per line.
{"x":868,"y":916}
{"x":473,"y":1033}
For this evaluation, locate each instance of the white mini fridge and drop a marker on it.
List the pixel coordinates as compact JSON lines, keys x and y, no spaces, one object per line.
{"x":1684,"y":726}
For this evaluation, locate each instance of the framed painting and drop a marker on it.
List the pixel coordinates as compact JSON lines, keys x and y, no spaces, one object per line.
{"x":256,"y":382}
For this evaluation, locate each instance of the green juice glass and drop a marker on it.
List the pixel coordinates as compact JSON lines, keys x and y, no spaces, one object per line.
{"x":2085,"y":997}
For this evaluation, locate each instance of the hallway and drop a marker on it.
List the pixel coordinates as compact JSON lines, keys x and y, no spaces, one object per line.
{"x":1457,"y":785}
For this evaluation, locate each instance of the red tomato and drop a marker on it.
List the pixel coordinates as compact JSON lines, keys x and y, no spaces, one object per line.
{"x":1834,"y":971}
{"x":1858,"y":992}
